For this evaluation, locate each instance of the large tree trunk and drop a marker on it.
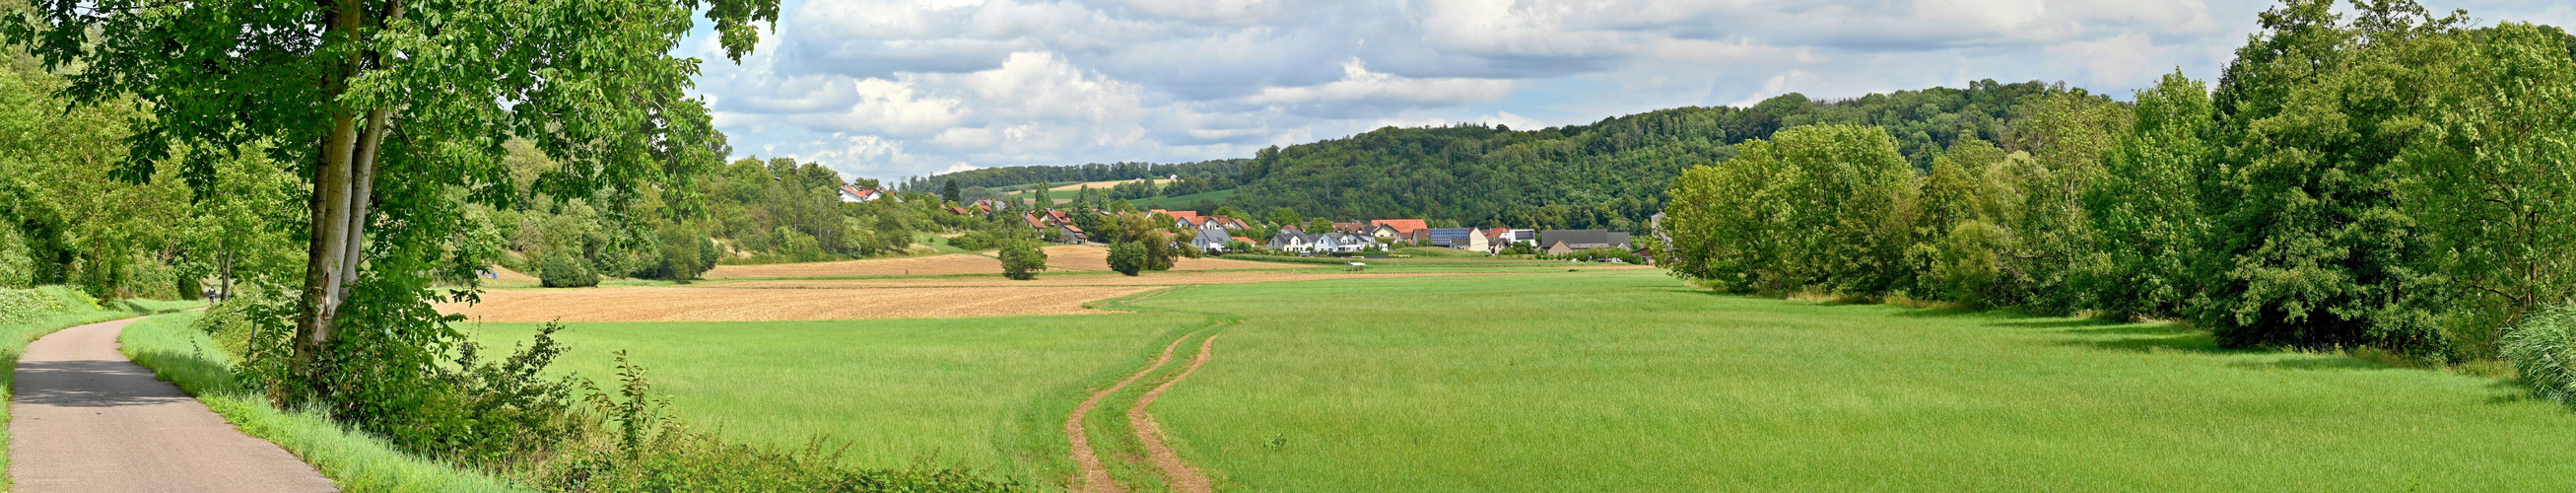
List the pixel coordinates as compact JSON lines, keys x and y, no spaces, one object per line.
{"x":329,"y":257}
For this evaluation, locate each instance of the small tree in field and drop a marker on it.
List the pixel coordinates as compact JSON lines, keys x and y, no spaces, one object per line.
{"x":1127,"y":257}
{"x":1021,"y":260}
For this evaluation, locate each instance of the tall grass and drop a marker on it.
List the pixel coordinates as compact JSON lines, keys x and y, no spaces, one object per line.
{"x":28,"y":314}
{"x":354,"y":461}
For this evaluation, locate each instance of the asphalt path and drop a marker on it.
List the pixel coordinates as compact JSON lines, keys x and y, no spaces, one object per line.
{"x":87,"y":419}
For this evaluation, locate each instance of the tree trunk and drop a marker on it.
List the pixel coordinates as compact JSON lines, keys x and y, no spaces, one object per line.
{"x":328,"y":257}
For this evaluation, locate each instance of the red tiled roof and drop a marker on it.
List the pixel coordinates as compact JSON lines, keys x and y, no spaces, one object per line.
{"x":1402,"y":226}
{"x":1190,"y":215}
{"x":1243,"y":239}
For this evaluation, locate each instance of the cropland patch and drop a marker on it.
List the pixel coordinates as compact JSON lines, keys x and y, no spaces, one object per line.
{"x":1087,"y":279}
{"x":668,"y":304}
{"x":916,"y":266}
{"x":1091,"y":257}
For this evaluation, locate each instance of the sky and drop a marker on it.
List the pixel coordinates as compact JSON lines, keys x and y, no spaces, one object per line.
{"x":888,"y":89}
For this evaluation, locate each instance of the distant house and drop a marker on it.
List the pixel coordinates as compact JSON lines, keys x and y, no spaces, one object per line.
{"x":1459,"y":238}
{"x":1400,"y":230}
{"x":1564,"y":241}
{"x":1351,"y":228}
{"x":1071,"y":235}
{"x":1289,"y":240}
{"x":1211,"y":240}
{"x":852,"y":193}
{"x":1036,"y":221}
{"x":1342,"y":242}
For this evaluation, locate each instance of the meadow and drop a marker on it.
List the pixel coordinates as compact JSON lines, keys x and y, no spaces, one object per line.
{"x":984,"y":393}
{"x":1598,"y":379}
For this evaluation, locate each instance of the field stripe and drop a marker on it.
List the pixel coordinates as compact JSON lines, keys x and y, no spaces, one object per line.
{"x":1094,"y":478}
{"x":1176,"y":472}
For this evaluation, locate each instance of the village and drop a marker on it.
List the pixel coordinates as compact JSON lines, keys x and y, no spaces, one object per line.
{"x":1220,"y":234}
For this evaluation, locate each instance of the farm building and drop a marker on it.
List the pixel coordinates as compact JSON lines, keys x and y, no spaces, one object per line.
{"x":1564,"y":241}
{"x":1460,"y":238}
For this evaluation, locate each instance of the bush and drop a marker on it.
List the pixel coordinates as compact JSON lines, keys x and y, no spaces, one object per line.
{"x":17,"y":263}
{"x":2543,"y":351}
{"x":975,"y":241}
{"x":561,"y":270}
{"x":1600,"y":254}
{"x":1127,"y":257}
{"x":1022,"y":260}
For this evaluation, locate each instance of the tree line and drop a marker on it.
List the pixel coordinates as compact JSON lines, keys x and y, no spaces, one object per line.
{"x":2390,"y":179}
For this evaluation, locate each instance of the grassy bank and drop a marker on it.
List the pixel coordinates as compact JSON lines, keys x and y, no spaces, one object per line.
{"x":354,"y":461}
{"x":988,"y":394}
{"x":28,"y":314}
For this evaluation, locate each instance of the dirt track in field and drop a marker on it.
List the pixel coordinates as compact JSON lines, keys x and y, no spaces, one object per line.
{"x":1177,"y":473}
{"x":672,"y":304}
{"x":914,"y":266}
{"x":1093,"y":477}
{"x":1092,"y":257}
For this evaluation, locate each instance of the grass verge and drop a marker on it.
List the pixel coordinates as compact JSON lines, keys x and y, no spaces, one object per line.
{"x":353,"y":460}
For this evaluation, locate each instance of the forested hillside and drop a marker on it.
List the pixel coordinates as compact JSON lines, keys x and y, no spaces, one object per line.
{"x":1610,"y":174}
{"x":1025,"y":175}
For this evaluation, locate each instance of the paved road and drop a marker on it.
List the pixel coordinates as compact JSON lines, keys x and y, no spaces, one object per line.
{"x":86,"y":419}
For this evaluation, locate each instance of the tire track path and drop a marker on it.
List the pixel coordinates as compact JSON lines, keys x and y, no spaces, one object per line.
{"x":1094,"y":478}
{"x":1177,"y":473}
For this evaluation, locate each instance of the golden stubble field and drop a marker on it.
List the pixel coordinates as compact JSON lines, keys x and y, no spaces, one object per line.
{"x":918,"y":287}
{"x":711,"y":304}
{"x":1092,"y":257}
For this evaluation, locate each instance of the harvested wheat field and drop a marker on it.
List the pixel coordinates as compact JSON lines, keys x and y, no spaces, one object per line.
{"x":1151,"y":279}
{"x":666,"y":304}
{"x":1092,"y":257}
{"x":916,"y":266}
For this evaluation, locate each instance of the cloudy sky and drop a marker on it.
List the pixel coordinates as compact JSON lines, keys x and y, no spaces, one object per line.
{"x":891,"y":88}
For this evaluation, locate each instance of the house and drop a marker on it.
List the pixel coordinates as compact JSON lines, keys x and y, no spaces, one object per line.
{"x":1399,"y":230}
{"x":1071,"y":235}
{"x":1342,"y":242}
{"x":1035,"y":221}
{"x":1059,"y":217}
{"x":1230,"y":224}
{"x":852,"y":193}
{"x":1564,"y":241}
{"x":1354,"y":228}
{"x":959,"y":211}
{"x":1291,"y":241}
{"x":1460,"y":238}
{"x":1211,"y":240}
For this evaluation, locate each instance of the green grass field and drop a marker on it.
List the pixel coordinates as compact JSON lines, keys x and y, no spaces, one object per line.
{"x":983,"y":393}
{"x":1606,"y":380}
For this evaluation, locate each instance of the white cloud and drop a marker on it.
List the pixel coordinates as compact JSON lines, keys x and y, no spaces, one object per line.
{"x":887,"y":88}
{"x":1358,"y":84}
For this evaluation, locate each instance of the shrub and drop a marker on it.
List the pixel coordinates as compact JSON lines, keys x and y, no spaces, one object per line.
{"x":1599,"y":254}
{"x":2543,"y":350}
{"x":1022,"y":260}
{"x":17,"y":264}
{"x":1127,"y":257}
{"x":975,"y":241}
{"x":562,"y":270}
{"x":21,"y":305}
